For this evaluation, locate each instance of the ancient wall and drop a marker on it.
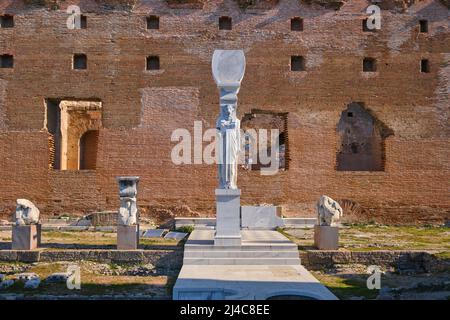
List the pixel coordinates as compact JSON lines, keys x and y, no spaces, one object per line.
{"x":141,"y":108}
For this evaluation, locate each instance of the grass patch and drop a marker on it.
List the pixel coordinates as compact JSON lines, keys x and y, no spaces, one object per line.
{"x":346,"y":288}
{"x":186,"y":229}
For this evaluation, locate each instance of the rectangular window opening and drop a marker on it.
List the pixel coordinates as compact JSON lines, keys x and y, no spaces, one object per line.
{"x":225,"y":23}
{"x":297,"y":24}
{"x":83,"y":22}
{"x":153,"y":63}
{"x":79,"y":61}
{"x":6,"y":61}
{"x":297,"y":63}
{"x":423,"y":26}
{"x":7,"y":21}
{"x":424,"y":66}
{"x":369,"y":65}
{"x":153,"y":22}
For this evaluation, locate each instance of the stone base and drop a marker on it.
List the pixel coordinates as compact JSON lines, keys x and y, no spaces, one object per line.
{"x":127,"y":237}
{"x":326,"y":237}
{"x":228,"y":217}
{"x":261,"y":217}
{"x":26,"y":237}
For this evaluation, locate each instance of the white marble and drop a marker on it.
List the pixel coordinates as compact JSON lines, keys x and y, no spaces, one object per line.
{"x":175,"y":235}
{"x":228,"y":208}
{"x":228,"y":67}
{"x":26,"y":213}
{"x":266,"y":265}
{"x":154,"y":233}
{"x":329,"y":211}
{"x":261,"y":217}
{"x":128,"y":212}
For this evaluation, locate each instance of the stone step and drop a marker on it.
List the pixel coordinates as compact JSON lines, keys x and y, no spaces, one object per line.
{"x":244,"y":247}
{"x":241,"y":254}
{"x":241,"y":261}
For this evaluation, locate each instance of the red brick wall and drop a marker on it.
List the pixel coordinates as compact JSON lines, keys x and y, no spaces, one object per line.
{"x":141,"y":108}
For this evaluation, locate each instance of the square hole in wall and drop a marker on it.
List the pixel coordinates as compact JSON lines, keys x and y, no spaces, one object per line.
{"x":7,"y":21}
{"x":153,"y":63}
{"x":350,"y":114}
{"x":424,"y":66}
{"x":297,"y":63}
{"x":79,"y":61}
{"x":83,"y":22}
{"x":369,"y":65}
{"x":153,"y":22}
{"x":297,"y":24}
{"x":225,"y":23}
{"x":423,"y":26}
{"x":6,"y":61}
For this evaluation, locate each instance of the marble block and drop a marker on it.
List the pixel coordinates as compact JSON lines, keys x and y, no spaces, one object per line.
{"x":261,"y":217}
{"x":228,"y":217}
{"x":175,"y":235}
{"x":127,"y":237}
{"x":26,"y":237}
{"x":154,"y":233}
{"x":326,"y":237}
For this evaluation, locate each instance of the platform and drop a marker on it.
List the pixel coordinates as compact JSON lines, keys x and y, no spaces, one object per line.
{"x":267,"y":265}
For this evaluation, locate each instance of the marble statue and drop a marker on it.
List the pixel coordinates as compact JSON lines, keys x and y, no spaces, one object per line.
{"x":228,"y":132}
{"x":26,"y":213}
{"x":329,"y":211}
{"x":228,"y":70}
{"x":128,"y":213}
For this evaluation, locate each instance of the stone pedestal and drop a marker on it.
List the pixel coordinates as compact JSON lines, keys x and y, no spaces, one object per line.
{"x":26,"y":237}
{"x":326,"y":237}
{"x":127,"y":237}
{"x":228,"y":215}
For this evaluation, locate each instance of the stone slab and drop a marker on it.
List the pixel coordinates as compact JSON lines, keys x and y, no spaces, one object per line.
{"x":127,"y":237}
{"x":248,"y":282}
{"x":228,"y":221}
{"x":326,"y":237}
{"x":175,"y":235}
{"x":198,"y":223}
{"x":26,"y":237}
{"x":261,"y":217}
{"x":154,"y":233}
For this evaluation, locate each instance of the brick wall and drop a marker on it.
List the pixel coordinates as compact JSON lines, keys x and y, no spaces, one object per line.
{"x":141,"y":108}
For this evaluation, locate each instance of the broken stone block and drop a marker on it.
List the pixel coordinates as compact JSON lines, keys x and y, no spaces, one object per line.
{"x":26,"y":276}
{"x":32,"y":283}
{"x":154,"y":233}
{"x":175,"y":235}
{"x":58,"y":277}
{"x":6,"y":284}
{"x":26,"y":237}
{"x":127,"y":237}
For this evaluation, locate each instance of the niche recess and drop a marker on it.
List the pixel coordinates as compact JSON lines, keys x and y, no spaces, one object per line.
{"x":263,"y":119}
{"x":362,"y":136}
{"x":73,"y":128}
